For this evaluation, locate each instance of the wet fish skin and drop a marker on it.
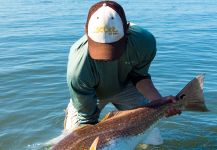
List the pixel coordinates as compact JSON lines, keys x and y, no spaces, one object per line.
{"x":133,"y":122}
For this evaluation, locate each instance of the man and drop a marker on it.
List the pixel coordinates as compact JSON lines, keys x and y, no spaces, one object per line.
{"x":110,"y":64}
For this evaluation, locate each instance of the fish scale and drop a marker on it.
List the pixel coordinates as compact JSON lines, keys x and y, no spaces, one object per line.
{"x":133,"y":122}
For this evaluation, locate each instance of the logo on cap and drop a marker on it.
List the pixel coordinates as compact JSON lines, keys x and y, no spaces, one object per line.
{"x":106,"y":29}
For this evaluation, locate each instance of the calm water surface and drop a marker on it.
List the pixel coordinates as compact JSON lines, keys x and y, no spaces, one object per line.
{"x":35,"y":37}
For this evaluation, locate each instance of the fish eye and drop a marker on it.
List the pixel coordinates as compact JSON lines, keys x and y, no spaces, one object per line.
{"x":112,"y":18}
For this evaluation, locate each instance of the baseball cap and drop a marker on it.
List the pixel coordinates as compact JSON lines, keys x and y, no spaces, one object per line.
{"x":106,"y":29}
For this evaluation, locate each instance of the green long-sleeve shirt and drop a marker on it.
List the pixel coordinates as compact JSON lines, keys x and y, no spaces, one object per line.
{"x":89,"y":80}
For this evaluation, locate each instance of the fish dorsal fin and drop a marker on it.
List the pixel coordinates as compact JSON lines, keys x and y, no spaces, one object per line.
{"x":94,"y":144}
{"x":84,"y":126}
{"x":81,"y":128}
{"x":109,"y":115}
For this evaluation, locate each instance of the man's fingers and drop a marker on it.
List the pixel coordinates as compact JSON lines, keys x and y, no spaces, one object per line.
{"x":171,"y":98}
{"x":172,"y":111}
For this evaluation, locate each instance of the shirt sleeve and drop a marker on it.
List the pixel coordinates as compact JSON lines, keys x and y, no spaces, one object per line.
{"x":85,"y":102}
{"x":146,"y":53}
{"x":81,"y":82}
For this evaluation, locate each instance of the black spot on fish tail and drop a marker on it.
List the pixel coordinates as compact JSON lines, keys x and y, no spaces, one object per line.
{"x":182,"y":96}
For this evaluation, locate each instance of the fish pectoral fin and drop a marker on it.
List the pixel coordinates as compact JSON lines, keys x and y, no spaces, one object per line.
{"x":94,"y":144}
{"x":83,"y":126}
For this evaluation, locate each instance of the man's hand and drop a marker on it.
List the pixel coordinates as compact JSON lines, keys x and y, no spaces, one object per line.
{"x":172,"y":111}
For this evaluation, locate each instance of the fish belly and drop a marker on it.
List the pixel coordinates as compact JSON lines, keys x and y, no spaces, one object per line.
{"x":150,"y":137}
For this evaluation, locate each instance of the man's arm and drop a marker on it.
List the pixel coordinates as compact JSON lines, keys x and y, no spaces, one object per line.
{"x":147,"y":88}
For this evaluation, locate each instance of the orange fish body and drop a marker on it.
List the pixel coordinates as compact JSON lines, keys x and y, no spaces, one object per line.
{"x":129,"y":123}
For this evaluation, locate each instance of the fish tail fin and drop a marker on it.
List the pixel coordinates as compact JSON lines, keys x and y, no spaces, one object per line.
{"x":94,"y":144}
{"x":192,"y":95}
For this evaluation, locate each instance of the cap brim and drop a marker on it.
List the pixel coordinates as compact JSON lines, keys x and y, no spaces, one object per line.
{"x":106,"y":51}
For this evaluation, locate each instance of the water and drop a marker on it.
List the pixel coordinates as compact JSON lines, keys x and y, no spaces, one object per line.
{"x":35,"y":37}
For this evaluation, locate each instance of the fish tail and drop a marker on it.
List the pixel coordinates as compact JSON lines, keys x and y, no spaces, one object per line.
{"x":191,"y":96}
